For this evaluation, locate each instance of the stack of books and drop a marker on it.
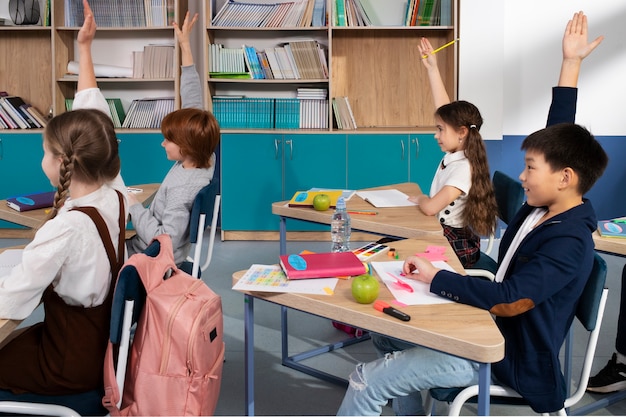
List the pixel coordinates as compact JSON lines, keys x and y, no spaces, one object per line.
{"x":238,"y":112}
{"x":392,"y":13}
{"x":17,"y":114}
{"x":292,"y":13}
{"x":118,"y":115}
{"x":343,"y":114}
{"x":298,"y":60}
{"x":148,"y":113}
{"x":122,"y":13}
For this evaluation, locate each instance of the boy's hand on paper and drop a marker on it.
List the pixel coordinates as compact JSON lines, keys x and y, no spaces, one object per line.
{"x":420,"y":269}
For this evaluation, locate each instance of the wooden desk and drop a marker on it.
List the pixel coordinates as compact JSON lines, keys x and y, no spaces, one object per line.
{"x":406,"y":222}
{"x":610,"y":245}
{"x":453,"y":328}
{"x":34,"y":218}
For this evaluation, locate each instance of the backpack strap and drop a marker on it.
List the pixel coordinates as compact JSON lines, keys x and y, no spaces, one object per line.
{"x":103,"y":231}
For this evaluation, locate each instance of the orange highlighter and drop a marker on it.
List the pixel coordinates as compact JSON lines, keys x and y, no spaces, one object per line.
{"x":393,"y":312}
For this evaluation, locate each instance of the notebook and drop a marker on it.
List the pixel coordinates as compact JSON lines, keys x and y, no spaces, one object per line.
{"x":321,"y":265}
{"x":386,"y":198}
{"x":31,"y":201}
{"x":305,"y":198}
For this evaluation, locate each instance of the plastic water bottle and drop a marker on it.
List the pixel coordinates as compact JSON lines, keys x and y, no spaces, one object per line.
{"x":340,"y":229}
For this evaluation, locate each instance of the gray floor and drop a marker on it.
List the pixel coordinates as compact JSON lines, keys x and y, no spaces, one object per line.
{"x":284,"y":391}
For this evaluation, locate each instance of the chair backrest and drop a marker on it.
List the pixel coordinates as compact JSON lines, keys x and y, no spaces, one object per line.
{"x":205,"y":210}
{"x":204,"y":203}
{"x":509,"y":195}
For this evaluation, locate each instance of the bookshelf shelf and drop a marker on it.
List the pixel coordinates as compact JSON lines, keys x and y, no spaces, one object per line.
{"x":376,"y":67}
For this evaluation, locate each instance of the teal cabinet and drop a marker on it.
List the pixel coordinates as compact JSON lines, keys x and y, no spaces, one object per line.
{"x":377,"y":159}
{"x":251,"y":179}
{"x":143,"y":158}
{"x":20,"y":167}
{"x":260,"y":169}
{"x":424,"y":158}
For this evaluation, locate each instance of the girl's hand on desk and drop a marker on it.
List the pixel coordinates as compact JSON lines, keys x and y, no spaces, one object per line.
{"x":420,"y":269}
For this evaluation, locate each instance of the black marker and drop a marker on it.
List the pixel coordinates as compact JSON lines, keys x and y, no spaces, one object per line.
{"x":387,"y":309}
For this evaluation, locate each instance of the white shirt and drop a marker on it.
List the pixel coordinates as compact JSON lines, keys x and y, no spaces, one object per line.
{"x":67,"y":251}
{"x":457,"y":173}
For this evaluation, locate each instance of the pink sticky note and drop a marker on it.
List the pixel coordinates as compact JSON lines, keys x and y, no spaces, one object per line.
{"x":434,"y":253}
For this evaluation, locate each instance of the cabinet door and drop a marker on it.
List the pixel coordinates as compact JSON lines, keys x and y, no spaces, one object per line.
{"x":20,"y":164}
{"x":251,"y":178}
{"x":20,"y":167}
{"x":143,"y":158}
{"x":425,"y":156}
{"x":377,"y":159}
{"x":313,"y":161}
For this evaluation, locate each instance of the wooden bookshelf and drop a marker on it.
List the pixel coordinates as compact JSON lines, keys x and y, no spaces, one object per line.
{"x":34,"y":60}
{"x":377,"y":67}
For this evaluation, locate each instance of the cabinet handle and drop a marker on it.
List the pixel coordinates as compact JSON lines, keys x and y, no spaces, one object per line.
{"x":417,"y":147}
{"x":402,"y":146}
{"x":290,"y":142}
{"x":276,"y":143}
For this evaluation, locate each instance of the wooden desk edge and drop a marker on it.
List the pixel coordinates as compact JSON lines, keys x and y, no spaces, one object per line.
{"x":612,"y":245}
{"x":489,"y":352}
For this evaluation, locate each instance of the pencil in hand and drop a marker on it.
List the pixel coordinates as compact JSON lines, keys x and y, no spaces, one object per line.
{"x":440,"y":48}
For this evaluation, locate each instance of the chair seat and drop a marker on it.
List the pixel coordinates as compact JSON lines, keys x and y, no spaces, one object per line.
{"x":449,"y":394}
{"x":87,"y":403}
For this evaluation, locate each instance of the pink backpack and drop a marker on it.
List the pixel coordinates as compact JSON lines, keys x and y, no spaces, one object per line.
{"x":177,"y":354}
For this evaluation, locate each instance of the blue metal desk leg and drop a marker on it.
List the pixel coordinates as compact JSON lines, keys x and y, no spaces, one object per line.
{"x":283,"y":235}
{"x":249,"y":352}
{"x":484,"y":381}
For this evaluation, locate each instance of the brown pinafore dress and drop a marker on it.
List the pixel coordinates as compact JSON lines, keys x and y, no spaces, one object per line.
{"x":65,"y":353}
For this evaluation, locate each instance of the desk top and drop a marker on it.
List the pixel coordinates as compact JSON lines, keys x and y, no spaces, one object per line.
{"x":34,"y":218}
{"x":454,"y":328}
{"x":407,"y":222}
{"x":613,"y":245}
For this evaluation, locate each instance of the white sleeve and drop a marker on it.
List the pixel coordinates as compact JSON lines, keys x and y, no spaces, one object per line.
{"x":91,"y":98}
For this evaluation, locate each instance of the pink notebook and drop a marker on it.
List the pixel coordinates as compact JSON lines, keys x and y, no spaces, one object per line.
{"x":321,"y":265}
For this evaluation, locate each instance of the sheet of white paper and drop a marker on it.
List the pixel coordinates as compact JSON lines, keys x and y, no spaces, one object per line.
{"x":386,"y":198}
{"x":9,"y":259}
{"x":271,"y":278}
{"x":421,"y":292}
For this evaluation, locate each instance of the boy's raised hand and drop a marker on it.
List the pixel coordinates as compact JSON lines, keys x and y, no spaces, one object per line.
{"x":575,"y":43}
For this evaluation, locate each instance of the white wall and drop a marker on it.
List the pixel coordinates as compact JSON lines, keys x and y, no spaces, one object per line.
{"x":510,"y":56}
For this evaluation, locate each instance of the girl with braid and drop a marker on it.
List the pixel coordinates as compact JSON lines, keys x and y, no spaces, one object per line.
{"x":72,"y":263}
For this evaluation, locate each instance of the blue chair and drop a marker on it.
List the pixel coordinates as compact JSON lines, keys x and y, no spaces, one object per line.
{"x":589,"y":313}
{"x":205,"y":210}
{"x":128,"y":301}
{"x":509,"y":199}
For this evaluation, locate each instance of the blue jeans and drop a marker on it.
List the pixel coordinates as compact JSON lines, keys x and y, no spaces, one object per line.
{"x":402,"y":371}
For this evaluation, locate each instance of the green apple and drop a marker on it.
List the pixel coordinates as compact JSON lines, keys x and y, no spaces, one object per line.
{"x":365,"y":288}
{"x":321,"y":202}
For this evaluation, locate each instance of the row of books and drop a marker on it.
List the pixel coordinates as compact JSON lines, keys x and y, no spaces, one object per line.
{"x":122,"y":13}
{"x":343,"y":114}
{"x":303,"y":60}
{"x":155,"y":61}
{"x":148,"y":113}
{"x":270,"y":113}
{"x":17,"y":114}
{"x":392,"y":13}
{"x":298,"y":13}
{"x":116,"y":108}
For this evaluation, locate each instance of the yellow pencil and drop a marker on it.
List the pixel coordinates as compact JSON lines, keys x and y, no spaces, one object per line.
{"x":441,"y":47}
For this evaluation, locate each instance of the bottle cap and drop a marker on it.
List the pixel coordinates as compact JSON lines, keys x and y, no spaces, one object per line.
{"x":341,"y":203}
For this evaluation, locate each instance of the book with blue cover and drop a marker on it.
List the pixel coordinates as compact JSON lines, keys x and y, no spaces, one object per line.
{"x":33,"y":201}
{"x":612,"y":228}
